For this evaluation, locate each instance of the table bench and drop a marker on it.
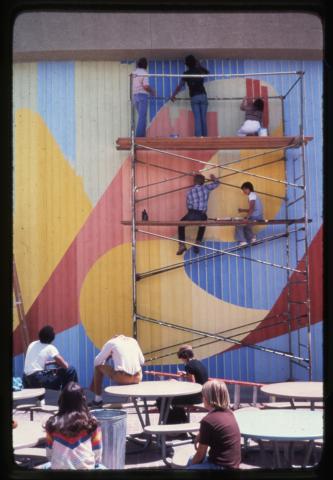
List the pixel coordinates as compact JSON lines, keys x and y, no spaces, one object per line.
{"x":162,"y":431}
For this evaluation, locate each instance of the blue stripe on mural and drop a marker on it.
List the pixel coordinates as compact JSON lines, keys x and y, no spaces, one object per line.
{"x":243,"y":273}
{"x":56,"y":103}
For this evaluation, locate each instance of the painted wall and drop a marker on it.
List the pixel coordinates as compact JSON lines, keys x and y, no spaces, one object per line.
{"x":72,"y":189}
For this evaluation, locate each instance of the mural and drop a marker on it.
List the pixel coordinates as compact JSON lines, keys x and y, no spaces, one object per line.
{"x":72,"y":190}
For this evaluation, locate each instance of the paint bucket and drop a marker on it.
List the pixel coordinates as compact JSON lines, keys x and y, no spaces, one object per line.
{"x":263,"y":132}
{"x":113,"y":426}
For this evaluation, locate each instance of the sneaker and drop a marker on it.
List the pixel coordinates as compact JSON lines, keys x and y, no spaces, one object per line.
{"x":94,"y":404}
{"x":253,"y":239}
{"x":181,"y":250}
{"x":241,"y":244}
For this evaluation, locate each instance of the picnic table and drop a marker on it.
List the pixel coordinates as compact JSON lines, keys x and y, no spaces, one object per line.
{"x":27,"y":393}
{"x":286,"y":426}
{"x":311,"y":391}
{"x":27,"y":435}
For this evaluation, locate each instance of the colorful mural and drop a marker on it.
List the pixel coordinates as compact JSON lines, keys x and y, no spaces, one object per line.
{"x":72,"y":189}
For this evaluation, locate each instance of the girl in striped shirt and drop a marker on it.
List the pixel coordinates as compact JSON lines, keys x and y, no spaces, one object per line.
{"x":74,"y":438}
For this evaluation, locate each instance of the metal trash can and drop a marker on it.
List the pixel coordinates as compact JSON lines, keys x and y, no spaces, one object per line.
{"x":113,"y":425}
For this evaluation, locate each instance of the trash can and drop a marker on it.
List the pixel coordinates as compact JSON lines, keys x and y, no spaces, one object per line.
{"x":113,"y":425}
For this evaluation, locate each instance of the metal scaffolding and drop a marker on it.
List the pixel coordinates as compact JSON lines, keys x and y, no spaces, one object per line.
{"x":298,"y":312}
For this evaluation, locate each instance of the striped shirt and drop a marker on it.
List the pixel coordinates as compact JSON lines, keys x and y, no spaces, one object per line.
{"x":197,"y":197}
{"x":81,"y":452}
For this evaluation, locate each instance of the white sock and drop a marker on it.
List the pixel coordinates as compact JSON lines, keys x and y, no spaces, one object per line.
{"x":98,"y":398}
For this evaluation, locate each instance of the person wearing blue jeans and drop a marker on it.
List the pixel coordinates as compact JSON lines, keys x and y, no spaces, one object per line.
{"x":141,"y":90}
{"x":218,"y":443}
{"x":39,"y":356}
{"x":244,"y":233}
{"x":199,"y":101}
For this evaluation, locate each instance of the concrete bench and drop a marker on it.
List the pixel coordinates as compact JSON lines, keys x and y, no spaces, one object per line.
{"x":163,"y":430}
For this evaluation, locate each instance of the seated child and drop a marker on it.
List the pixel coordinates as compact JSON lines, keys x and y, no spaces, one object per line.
{"x":73,"y":436}
{"x":219,"y":432}
{"x":253,"y":117}
{"x":193,"y":367}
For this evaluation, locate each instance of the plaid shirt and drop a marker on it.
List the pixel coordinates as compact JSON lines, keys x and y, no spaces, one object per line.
{"x":197,"y":197}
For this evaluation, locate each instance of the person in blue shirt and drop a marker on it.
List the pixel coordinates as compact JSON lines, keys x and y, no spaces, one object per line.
{"x":197,"y":202}
{"x":244,"y":233}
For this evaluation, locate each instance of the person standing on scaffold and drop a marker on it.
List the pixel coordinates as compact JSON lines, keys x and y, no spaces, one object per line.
{"x":199,"y":102}
{"x":141,"y":90}
{"x":197,"y":202}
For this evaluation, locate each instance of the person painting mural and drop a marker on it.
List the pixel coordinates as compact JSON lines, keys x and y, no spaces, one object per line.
{"x":141,"y":90}
{"x":199,"y":102}
{"x":244,"y":233}
{"x":197,"y":203}
{"x":253,"y":116}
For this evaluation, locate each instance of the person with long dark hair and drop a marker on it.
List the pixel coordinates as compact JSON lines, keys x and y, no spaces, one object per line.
{"x":73,"y":435}
{"x":141,"y":90}
{"x":199,"y":102}
{"x":253,"y":109}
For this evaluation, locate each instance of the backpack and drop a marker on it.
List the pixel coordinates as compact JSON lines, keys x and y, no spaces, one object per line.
{"x":17,"y":384}
{"x":177,"y":415}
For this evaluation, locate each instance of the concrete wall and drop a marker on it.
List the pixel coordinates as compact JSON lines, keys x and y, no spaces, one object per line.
{"x":119,"y":36}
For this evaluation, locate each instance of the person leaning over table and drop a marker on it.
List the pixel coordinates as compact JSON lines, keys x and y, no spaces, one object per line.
{"x":219,"y":432}
{"x":126,"y":360}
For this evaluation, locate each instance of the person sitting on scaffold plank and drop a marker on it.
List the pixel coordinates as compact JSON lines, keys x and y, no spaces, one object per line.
{"x":253,"y":117}
{"x":197,"y":202}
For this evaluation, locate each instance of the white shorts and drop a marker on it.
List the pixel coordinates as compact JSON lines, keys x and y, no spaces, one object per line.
{"x":249,"y":126}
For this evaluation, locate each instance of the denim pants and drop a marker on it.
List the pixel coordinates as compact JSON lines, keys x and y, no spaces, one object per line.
{"x":193,"y":215}
{"x":244,"y":233}
{"x":141,"y":105}
{"x":206,"y":464}
{"x":50,"y":379}
{"x":199,"y":104}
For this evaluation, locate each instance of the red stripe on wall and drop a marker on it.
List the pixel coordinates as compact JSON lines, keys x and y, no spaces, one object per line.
{"x":264,"y":95}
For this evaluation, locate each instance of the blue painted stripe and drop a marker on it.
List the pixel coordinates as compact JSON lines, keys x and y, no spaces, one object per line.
{"x":56,"y":103}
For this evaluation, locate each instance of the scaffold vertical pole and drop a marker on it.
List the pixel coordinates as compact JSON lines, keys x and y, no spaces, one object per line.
{"x":306,"y":227}
{"x":287,"y":252}
{"x":133,"y":213}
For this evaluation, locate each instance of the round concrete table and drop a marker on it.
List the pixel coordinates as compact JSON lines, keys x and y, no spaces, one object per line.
{"x":28,"y":393}
{"x":312,"y":391}
{"x":286,"y":426}
{"x":27,"y":435}
{"x":165,"y":389}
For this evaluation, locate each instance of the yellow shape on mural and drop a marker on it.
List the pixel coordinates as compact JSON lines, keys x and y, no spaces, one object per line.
{"x":106,"y":304}
{"x":50,"y":204}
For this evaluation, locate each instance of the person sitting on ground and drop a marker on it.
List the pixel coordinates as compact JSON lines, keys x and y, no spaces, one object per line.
{"x":126,"y":360}
{"x":219,"y":432}
{"x":73,"y":435}
{"x":244,"y":233}
{"x":253,"y":116}
{"x":40,"y":354}
{"x":197,"y":203}
{"x":195,"y":368}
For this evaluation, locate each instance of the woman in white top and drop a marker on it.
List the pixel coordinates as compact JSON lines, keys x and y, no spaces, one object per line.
{"x":141,"y":90}
{"x":125,"y":369}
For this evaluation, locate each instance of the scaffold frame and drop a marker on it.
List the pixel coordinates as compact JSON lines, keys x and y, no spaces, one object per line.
{"x":304,"y":306}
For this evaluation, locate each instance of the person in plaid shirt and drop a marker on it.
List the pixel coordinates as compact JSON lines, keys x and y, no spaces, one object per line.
{"x":197,"y":202}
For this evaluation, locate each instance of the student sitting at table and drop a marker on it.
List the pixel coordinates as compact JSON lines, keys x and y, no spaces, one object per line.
{"x":73,"y":435}
{"x":193,"y":367}
{"x":219,"y":432}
